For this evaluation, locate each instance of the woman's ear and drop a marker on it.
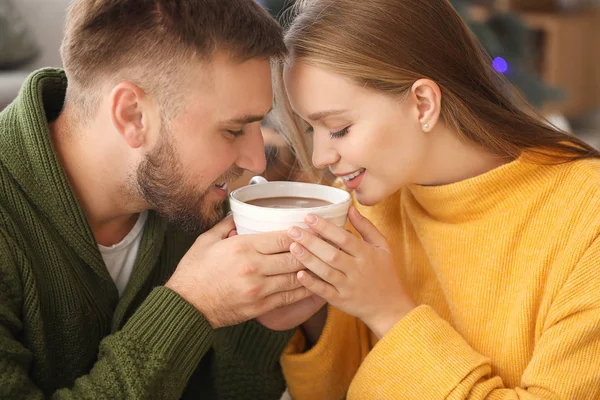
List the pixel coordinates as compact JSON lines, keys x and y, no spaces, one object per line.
{"x":429,"y":102}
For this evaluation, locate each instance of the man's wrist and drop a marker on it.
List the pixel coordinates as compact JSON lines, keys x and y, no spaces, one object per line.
{"x":202,"y":306}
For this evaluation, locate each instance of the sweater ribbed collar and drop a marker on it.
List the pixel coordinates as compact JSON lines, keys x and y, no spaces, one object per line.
{"x":491,"y":192}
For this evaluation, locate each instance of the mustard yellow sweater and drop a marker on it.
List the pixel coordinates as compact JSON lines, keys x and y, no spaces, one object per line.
{"x":505,"y":268}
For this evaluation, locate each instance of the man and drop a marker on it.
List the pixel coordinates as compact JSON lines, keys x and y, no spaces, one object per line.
{"x":102,"y":294}
{"x":281,"y":163}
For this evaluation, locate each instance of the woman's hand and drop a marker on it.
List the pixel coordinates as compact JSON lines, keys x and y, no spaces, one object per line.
{"x":359,"y":277}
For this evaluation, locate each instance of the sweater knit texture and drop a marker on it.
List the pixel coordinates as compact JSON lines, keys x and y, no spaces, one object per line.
{"x":505,"y":269}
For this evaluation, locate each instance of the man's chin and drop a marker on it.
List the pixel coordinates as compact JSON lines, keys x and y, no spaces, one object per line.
{"x":210,"y":216}
{"x":197,"y":223}
{"x":218,"y":214}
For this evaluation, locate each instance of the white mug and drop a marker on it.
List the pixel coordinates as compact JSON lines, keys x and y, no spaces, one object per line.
{"x":250,"y":219}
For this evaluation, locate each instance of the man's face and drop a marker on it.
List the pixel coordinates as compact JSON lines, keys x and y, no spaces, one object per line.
{"x":209,"y":144}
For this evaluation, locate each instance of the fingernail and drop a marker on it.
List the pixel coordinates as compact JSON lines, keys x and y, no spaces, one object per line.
{"x":297,"y":249}
{"x":295,"y":233}
{"x":310,"y":219}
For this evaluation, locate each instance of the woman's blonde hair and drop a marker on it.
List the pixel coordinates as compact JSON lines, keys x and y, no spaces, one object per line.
{"x":387,"y":45}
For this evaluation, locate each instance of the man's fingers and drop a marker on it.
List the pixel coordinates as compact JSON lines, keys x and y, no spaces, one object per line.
{"x":282,"y":299}
{"x":283,"y":263}
{"x":220,"y":231}
{"x":271,"y":242}
{"x":281,"y":283}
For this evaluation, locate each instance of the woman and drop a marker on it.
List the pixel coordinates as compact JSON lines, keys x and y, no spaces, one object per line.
{"x":477,"y":274}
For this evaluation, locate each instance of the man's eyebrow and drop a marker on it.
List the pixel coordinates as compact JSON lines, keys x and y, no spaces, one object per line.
{"x":247,"y":119}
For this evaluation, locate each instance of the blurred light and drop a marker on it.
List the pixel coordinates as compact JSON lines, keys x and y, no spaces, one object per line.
{"x":500,"y":65}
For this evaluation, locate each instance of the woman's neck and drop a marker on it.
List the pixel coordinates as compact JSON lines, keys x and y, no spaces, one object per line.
{"x":451,"y":159}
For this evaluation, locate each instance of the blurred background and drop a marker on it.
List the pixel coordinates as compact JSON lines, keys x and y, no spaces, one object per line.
{"x":549,"y":49}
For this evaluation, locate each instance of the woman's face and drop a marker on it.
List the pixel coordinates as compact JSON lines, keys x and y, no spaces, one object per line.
{"x":373,"y":141}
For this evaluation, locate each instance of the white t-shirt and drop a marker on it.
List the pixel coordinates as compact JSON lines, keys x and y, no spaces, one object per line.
{"x":120,"y":258}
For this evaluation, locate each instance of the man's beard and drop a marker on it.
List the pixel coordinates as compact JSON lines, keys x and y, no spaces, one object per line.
{"x":163,"y":184}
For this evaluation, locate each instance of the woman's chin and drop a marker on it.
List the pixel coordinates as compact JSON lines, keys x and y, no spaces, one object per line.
{"x":370,"y":196}
{"x":367,"y":200}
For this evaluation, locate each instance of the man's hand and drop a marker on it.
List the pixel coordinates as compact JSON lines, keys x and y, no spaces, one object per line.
{"x":289,"y":317}
{"x":231,"y":279}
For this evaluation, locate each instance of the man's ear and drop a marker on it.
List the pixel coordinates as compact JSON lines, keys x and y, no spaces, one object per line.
{"x":130,"y":113}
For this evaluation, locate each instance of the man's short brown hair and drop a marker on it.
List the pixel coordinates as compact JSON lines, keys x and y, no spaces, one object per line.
{"x":147,"y":41}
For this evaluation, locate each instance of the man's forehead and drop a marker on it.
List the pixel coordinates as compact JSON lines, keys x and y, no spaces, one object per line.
{"x":239,"y":92}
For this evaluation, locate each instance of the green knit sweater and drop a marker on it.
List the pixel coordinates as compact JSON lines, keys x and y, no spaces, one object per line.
{"x":64,"y":332}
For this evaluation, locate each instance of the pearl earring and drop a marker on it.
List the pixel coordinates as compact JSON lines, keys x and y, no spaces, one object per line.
{"x":426,"y":127}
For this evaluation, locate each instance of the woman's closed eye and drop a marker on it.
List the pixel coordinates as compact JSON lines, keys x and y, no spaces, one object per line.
{"x":339,"y":134}
{"x":333,"y":135}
